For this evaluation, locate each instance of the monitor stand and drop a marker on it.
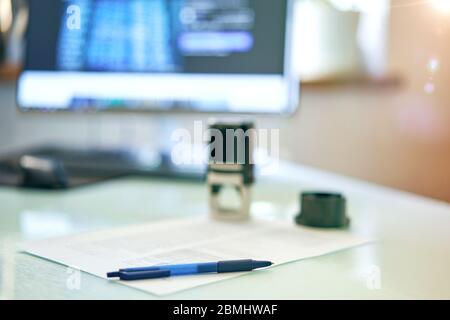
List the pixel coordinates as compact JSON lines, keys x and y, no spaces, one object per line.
{"x":86,"y":166}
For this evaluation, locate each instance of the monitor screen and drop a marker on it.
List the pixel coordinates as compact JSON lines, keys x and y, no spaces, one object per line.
{"x":158,"y":55}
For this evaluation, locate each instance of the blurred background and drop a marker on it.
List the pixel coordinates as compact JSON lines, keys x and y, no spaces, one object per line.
{"x":375,"y":98}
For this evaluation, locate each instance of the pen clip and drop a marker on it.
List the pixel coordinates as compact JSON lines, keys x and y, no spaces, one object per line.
{"x":143,"y":275}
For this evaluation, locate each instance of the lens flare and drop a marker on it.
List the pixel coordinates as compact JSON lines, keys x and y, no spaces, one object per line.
{"x":433,"y":65}
{"x":429,"y":88}
{"x":441,"y":5}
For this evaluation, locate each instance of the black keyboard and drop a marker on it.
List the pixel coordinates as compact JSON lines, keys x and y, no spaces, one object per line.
{"x":84,"y":166}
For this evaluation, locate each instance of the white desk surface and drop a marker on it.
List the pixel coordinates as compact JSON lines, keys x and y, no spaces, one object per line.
{"x":411,"y":258}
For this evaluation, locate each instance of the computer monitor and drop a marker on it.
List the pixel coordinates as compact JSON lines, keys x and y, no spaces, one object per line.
{"x":158,"y":55}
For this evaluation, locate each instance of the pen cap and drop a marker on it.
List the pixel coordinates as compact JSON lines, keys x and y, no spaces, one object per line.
{"x":235,"y":265}
{"x":323,"y":210}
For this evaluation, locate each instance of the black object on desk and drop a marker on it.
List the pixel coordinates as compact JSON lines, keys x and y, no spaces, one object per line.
{"x":323,"y":210}
{"x":60,"y":168}
{"x":42,"y":173}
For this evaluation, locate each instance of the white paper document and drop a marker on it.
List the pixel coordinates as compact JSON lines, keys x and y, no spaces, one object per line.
{"x":188,"y":241}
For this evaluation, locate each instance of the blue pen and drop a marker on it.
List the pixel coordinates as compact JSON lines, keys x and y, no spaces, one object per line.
{"x":164,"y":271}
